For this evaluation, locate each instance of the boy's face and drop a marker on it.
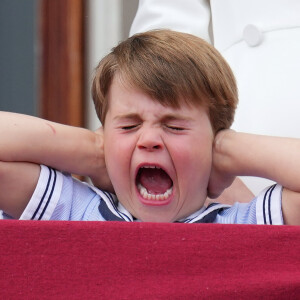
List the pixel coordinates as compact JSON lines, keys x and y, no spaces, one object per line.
{"x":158,"y":158}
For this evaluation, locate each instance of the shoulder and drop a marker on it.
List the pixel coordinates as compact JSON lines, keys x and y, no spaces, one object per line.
{"x":239,"y":213}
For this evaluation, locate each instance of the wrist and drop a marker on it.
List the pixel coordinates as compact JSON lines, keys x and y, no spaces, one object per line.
{"x":225,"y":151}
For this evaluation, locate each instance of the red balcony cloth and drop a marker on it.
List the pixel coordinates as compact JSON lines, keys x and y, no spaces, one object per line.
{"x":120,"y":260}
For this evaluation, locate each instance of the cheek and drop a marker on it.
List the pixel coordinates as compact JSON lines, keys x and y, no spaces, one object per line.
{"x":117,"y":153}
{"x":193,"y":160}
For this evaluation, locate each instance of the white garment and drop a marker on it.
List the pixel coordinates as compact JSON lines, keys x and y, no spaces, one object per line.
{"x":58,"y":196}
{"x":260,"y":39}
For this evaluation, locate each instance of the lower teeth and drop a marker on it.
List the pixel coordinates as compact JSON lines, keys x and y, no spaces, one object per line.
{"x":143,"y":191}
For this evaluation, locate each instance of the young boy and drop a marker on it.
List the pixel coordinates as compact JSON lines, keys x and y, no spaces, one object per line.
{"x":166,"y":101}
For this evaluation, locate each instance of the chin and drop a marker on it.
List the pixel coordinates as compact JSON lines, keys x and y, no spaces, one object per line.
{"x":156,"y":217}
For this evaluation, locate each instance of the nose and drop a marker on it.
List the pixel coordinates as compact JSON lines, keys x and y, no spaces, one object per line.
{"x":150,"y":140}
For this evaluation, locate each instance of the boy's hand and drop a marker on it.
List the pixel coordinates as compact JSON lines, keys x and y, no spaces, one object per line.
{"x":219,"y":178}
{"x":100,"y":177}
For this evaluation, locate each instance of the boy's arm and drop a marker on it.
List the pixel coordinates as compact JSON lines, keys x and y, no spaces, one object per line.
{"x":17,"y":184}
{"x":269,"y":157}
{"x":26,"y":142}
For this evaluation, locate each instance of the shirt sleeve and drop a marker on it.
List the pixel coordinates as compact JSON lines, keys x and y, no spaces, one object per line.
{"x":268,"y":206}
{"x":59,"y":196}
{"x":46,"y":195}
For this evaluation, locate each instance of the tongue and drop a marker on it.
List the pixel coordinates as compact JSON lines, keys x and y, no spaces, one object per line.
{"x":156,"y":181}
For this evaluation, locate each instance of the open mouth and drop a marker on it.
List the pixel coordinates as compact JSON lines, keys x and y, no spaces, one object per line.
{"x":153,"y":183}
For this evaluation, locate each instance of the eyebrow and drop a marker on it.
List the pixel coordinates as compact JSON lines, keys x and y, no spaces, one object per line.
{"x":131,"y":116}
{"x":175,"y":117}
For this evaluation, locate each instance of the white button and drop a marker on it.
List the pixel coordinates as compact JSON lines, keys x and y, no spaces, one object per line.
{"x":252,"y":35}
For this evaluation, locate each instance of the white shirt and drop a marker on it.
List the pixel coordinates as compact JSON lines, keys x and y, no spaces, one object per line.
{"x":58,"y":196}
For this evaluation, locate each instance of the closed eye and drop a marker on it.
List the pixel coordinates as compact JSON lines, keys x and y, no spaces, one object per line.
{"x":129,"y":127}
{"x":175,"y":128}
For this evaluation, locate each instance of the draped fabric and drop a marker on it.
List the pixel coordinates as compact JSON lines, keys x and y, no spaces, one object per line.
{"x":128,"y":260}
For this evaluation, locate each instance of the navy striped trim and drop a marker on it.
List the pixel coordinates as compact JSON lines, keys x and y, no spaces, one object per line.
{"x":111,"y":200}
{"x":106,"y":213}
{"x":208,"y":215}
{"x":50,"y":196}
{"x":265,"y":202}
{"x":43,"y":199}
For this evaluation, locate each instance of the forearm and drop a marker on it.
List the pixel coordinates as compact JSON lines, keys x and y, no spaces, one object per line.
{"x":29,"y":139}
{"x":274,"y":158}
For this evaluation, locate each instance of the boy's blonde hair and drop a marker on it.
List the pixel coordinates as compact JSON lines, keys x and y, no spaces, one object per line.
{"x":173,"y":68}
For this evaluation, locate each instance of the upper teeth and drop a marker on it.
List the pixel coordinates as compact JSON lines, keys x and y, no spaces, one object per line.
{"x":143,"y":191}
{"x":151,"y":167}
